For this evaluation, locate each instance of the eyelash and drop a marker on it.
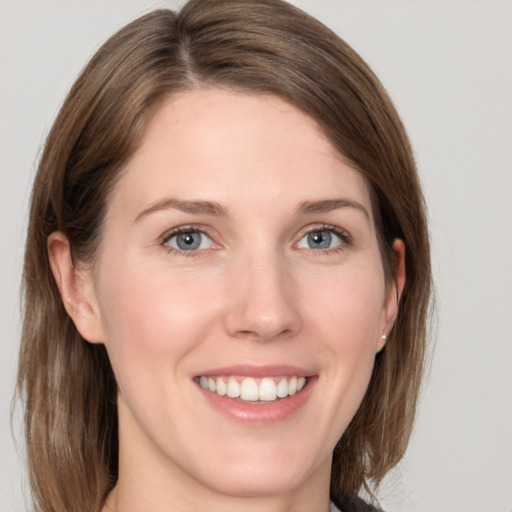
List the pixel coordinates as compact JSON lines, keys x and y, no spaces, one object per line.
{"x":344,"y":236}
{"x":191,"y":228}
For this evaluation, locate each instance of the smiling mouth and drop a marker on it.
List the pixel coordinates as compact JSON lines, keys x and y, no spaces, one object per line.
{"x":249,"y":389}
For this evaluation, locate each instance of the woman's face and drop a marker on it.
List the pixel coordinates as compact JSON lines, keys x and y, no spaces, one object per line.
{"x":239,"y":255}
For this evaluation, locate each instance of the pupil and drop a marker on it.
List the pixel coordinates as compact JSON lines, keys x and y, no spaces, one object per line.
{"x":188,"y":241}
{"x":319,"y":240}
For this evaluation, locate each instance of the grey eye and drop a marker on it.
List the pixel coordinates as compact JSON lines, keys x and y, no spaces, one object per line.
{"x":320,"y":239}
{"x":189,"y":241}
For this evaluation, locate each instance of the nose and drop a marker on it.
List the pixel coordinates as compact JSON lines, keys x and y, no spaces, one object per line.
{"x":262,"y":303}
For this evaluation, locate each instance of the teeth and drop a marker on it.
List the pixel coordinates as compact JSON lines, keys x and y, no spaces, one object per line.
{"x":233,"y":390}
{"x":267,"y":390}
{"x":292,"y":386}
{"x":249,"y":390}
{"x":282,"y":388}
{"x":222,"y":387}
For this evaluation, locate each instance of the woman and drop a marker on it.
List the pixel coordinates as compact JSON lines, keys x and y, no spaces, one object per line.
{"x":227,"y":272}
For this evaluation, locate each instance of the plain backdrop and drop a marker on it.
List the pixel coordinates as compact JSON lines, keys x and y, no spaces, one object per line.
{"x":448,"y":67}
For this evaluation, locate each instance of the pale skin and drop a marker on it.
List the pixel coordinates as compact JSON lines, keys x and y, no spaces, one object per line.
{"x":255,"y":183}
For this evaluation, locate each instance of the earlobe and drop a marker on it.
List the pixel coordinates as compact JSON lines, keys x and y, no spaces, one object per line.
{"x":394,"y":292}
{"x":76,"y":288}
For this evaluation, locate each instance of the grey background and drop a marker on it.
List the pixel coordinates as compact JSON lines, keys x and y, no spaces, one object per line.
{"x":448,"y":66}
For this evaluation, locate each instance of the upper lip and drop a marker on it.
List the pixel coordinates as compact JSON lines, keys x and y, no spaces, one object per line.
{"x":247,"y":370}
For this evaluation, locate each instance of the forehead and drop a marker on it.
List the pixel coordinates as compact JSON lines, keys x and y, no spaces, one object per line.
{"x":235,"y":148}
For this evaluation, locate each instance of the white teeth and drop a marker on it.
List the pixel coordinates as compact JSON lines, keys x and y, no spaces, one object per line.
{"x":282,"y":388}
{"x":222,"y":388}
{"x":267,"y":390}
{"x":248,"y":389}
{"x":233,"y":390}
{"x":292,"y":386}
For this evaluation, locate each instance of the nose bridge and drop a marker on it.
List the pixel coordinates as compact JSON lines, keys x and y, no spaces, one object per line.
{"x":263,"y":304}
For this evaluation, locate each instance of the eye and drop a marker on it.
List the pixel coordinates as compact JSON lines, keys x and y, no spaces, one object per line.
{"x":188,"y":240}
{"x":323,"y":239}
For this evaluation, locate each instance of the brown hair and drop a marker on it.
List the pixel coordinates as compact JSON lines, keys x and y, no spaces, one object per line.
{"x":255,"y":46}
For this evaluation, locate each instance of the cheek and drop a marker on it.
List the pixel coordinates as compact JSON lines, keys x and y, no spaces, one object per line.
{"x":152,"y":316}
{"x":349,"y":306}
{"x":347,"y":316}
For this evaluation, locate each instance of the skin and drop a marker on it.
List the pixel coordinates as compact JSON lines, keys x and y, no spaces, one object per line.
{"x":255,"y":292}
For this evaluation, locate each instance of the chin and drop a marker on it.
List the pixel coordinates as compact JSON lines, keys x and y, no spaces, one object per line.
{"x":263,"y":469}
{"x":266,"y":480}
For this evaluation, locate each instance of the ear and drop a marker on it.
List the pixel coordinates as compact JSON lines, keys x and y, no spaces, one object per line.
{"x":76,"y":288}
{"x":393,"y":292}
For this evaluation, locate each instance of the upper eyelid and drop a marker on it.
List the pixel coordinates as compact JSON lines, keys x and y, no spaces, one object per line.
{"x":326,"y":227}
{"x":164,"y":237}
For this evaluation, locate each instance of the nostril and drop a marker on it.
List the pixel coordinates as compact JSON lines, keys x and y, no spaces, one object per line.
{"x":263,"y":334}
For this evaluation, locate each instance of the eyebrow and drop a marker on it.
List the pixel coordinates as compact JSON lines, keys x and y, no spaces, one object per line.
{"x":327,"y":205}
{"x":199,"y":207}
{"x":194,"y":207}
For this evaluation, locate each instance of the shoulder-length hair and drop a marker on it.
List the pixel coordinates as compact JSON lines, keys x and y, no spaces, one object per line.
{"x":254,"y":46}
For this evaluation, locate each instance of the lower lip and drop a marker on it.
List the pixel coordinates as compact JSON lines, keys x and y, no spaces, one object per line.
{"x":260,"y":413}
